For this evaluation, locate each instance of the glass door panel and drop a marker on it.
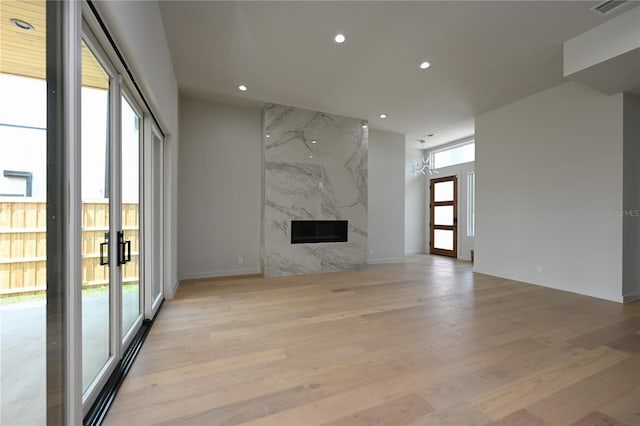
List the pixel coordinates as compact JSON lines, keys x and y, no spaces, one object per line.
{"x":443,"y":191}
{"x":157,"y":222}
{"x":23,"y":214}
{"x":96,"y":205}
{"x":443,"y":215}
{"x":130,"y":166}
{"x":443,"y":239}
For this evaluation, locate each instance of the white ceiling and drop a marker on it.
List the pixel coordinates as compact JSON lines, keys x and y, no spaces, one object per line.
{"x":483,"y":55}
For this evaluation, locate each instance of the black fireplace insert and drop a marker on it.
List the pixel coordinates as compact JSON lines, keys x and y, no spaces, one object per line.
{"x":318,"y":231}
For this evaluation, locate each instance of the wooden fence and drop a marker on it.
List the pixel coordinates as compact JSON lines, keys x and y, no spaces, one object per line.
{"x":23,"y":245}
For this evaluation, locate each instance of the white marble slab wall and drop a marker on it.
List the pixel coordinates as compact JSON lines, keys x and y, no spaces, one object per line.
{"x":307,"y":180}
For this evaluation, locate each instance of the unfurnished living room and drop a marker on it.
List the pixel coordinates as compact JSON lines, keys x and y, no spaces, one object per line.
{"x":320,"y":212}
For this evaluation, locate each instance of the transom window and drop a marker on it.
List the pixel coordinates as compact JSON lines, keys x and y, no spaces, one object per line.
{"x":457,"y":154}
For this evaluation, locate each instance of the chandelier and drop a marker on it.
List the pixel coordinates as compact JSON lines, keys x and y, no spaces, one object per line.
{"x":424,"y":165}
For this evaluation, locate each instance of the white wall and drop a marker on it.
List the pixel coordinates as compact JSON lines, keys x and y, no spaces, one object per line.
{"x":138,"y":30}
{"x":465,"y":243}
{"x":219,"y":189}
{"x":548,"y":168}
{"x":386,"y":196}
{"x":608,"y":40}
{"x":414,"y":203}
{"x":631,"y":210}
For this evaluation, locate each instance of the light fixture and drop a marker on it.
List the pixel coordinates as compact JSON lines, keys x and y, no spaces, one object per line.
{"x":383,"y":116}
{"x":22,"y":25}
{"x":424,"y":65}
{"x":242,"y":88}
{"x":311,"y":156}
{"x":364,"y":126}
{"x":418,"y":167}
{"x":314,"y":141}
{"x":430,"y":135}
{"x":268,"y":136}
{"x":339,"y":38}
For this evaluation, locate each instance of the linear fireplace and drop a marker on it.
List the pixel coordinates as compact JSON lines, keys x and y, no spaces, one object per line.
{"x":318,"y":231}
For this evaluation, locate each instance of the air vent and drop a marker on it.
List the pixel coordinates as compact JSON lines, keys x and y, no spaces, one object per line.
{"x":608,"y":5}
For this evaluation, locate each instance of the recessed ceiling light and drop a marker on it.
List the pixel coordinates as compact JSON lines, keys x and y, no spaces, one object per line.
{"x":268,"y":136}
{"x":314,"y":141}
{"x":242,"y":88}
{"x":383,"y":116}
{"x":364,"y":126}
{"x":424,"y":65}
{"x":22,"y":25}
{"x":339,"y":38}
{"x":311,"y":156}
{"x":430,"y":135}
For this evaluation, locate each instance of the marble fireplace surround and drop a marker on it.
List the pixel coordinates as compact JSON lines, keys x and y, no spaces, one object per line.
{"x":315,"y":168}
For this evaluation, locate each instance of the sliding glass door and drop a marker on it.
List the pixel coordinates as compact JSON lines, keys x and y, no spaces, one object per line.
{"x":112,"y":287}
{"x":155,"y":222}
{"x":130,"y":270}
{"x":80,"y":256}
{"x":98,"y":353}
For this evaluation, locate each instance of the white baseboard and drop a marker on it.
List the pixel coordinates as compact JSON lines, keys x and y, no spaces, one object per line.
{"x":631,"y":297}
{"x":388,"y":260}
{"x":214,"y":274}
{"x":408,"y":253}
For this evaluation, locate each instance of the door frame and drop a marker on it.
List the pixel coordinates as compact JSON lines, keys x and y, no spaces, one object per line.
{"x":127,"y":95}
{"x":153,"y":243}
{"x":113,"y":126}
{"x":432,"y":226}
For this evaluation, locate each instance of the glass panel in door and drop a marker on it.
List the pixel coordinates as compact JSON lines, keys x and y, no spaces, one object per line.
{"x":23,"y":213}
{"x":96,"y":204}
{"x":157,"y":222}
{"x":443,"y":239}
{"x":443,"y":215}
{"x":130,"y":166}
{"x":443,"y":191}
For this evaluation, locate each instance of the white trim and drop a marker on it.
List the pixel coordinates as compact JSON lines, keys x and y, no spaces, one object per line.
{"x":215,"y":274}
{"x":387,"y":260}
{"x":72,"y":36}
{"x":628,"y":298}
{"x":409,"y":253}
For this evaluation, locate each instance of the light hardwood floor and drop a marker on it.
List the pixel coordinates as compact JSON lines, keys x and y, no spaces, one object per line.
{"x":423,"y":343}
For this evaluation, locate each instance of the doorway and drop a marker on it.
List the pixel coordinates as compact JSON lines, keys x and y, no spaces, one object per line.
{"x":443,"y":219}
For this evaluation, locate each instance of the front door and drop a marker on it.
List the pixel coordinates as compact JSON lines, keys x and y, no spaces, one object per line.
{"x":443,"y":222}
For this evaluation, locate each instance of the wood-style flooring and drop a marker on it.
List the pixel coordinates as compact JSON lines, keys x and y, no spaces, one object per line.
{"x":425,"y":342}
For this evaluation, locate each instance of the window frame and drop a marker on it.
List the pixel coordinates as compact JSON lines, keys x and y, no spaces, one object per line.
{"x":432,"y":154}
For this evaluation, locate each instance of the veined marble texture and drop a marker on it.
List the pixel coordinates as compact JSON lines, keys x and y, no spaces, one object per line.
{"x":307,"y":180}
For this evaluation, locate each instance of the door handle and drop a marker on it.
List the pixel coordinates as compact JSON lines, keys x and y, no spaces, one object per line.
{"x":124,"y":249}
{"x":121,"y":258}
{"x":102,"y":246}
{"x":128,"y":245}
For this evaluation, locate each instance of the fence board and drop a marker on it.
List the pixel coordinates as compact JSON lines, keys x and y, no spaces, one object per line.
{"x":23,"y":245}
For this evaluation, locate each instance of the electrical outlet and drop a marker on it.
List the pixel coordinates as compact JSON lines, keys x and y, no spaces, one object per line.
{"x":539,"y":269}
{"x":240,"y":260}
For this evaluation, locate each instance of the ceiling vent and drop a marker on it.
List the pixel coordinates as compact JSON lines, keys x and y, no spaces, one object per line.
{"x":608,"y":5}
